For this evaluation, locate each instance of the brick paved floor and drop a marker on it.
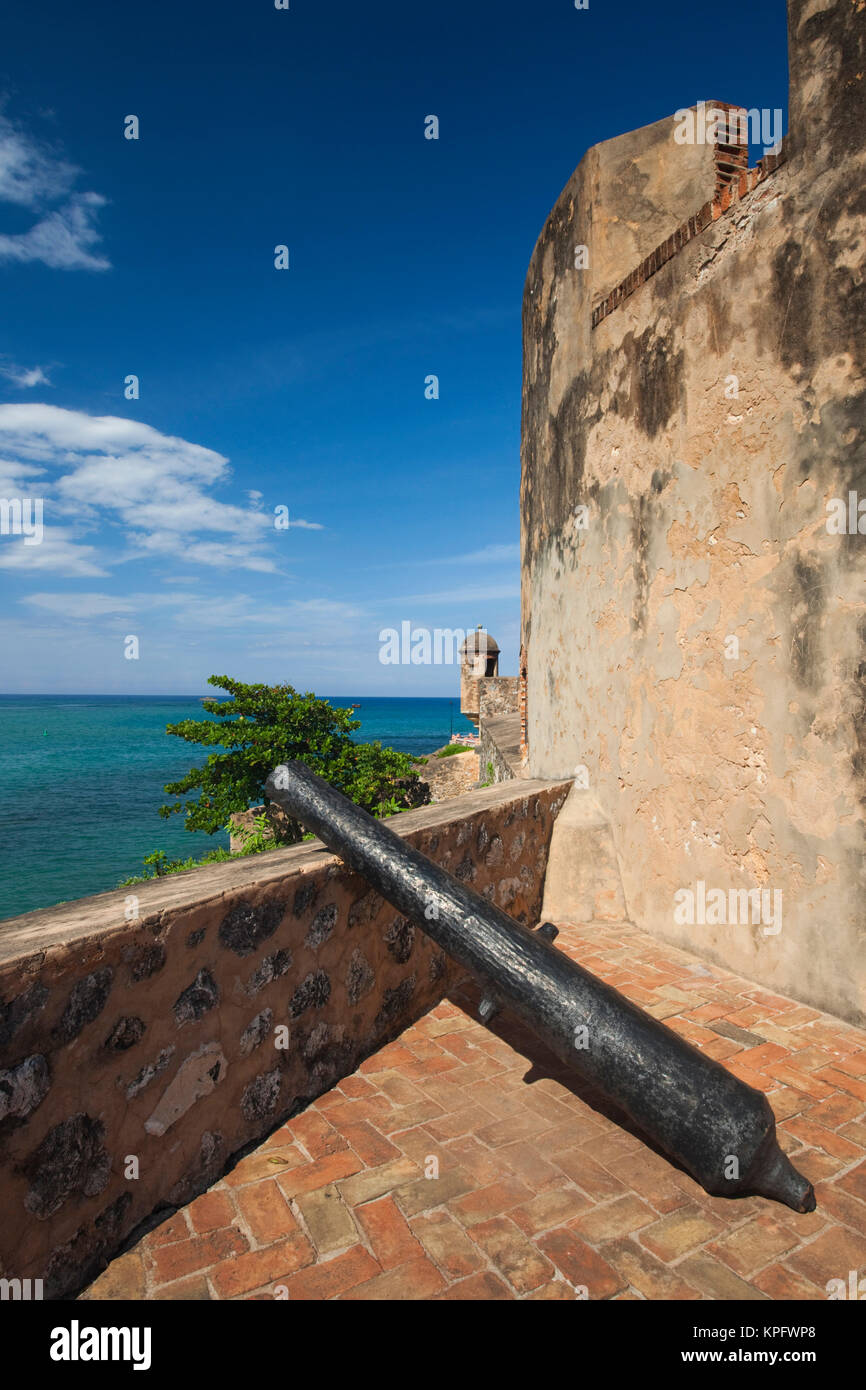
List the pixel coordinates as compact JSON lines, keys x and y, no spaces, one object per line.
{"x":539,"y":1190}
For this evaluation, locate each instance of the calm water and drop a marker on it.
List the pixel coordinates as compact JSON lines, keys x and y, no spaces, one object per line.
{"x":81,"y":780}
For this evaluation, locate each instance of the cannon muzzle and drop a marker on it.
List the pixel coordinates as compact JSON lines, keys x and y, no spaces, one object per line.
{"x":721,"y":1130}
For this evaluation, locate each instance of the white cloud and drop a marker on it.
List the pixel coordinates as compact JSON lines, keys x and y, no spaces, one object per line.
{"x":81,"y":605}
{"x":316,"y":618}
{"x":488,"y":555}
{"x":299,"y":525}
{"x":25,"y":377}
{"x":33,"y":176}
{"x":63,"y":240}
{"x":156,"y":487}
{"x":501,"y":554}
{"x":481,"y":593}
{"x":30,"y":173}
{"x":56,"y":552}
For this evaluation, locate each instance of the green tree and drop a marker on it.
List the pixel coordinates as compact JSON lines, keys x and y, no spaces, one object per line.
{"x":261,"y":726}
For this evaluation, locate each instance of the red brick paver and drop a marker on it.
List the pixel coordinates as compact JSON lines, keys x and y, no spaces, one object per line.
{"x":464,"y":1163}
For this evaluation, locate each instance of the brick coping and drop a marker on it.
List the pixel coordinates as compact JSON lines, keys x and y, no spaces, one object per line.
{"x":83,"y":918}
{"x":732,"y":184}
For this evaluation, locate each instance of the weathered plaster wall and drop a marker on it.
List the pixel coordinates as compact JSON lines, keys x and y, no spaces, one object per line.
{"x":156,"y":1039}
{"x":706,"y":521}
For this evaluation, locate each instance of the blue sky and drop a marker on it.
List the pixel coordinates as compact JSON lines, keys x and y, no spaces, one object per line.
{"x":302,"y":388}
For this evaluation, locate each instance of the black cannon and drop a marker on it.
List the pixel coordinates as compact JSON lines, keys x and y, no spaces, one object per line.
{"x":717,"y":1127}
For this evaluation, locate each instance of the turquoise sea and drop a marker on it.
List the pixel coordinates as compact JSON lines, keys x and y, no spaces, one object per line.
{"x":82,"y":776}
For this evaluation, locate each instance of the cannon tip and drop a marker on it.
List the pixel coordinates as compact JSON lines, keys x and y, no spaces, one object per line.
{"x":778,"y":1178}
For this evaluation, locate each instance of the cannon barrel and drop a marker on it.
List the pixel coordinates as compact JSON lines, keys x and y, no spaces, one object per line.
{"x":721,"y":1130}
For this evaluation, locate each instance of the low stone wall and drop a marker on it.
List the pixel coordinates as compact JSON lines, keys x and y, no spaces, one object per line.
{"x":145,"y":1040}
{"x":499,"y":758}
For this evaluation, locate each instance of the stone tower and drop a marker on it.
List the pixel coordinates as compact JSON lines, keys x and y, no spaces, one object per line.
{"x":479,"y":658}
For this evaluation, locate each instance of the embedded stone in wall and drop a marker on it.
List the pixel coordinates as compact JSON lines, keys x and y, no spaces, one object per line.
{"x":322,"y":1039}
{"x":495,"y":854}
{"x":16,"y":1013}
{"x":321,"y":926}
{"x":400,"y":938}
{"x":465,"y":870}
{"x":360,"y":977}
{"x":211,"y":1160}
{"x":364,"y":909}
{"x":196,"y":999}
{"x":311,"y":994}
{"x":507,"y":891}
{"x":255,"y":1032}
{"x":438,"y":967}
{"x":304,"y":898}
{"x":195,"y":938}
{"x":260,"y":1098}
{"x":71,"y":1158}
{"x":85,"y":1003}
{"x":146,"y":961}
{"x":87,"y":1249}
{"x":125,"y":1034}
{"x":394,"y":1001}
{"x":196,"y":1077}
{"x":245,"y":928}
{"x":271,"y":968}
{"x":517,"y":847}
{"x":23,"y":1088}
{"x":149,"y":1072}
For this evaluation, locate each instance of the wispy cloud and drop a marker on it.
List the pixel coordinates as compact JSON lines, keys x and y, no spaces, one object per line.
{"x":488,"y":555}
{"x":502,"y":554}
{"x":33,"y":176}
{"x":25,"y":377}
{"x":158,"y":489}
{"x":81,"y":605}
{"x":319,"y":619}
{"x":58,"y":553}
{"x":480,"y":593}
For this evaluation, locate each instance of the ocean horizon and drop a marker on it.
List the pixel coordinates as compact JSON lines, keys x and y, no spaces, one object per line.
{"x":83,"y":778}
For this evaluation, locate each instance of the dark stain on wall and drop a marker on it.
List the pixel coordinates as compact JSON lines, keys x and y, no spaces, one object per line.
{"x":792,"y":298}
{"x":656,"y":380}
{"x":640,"y":539}
{"x":807,"y":609}
{"x":858,"y":757}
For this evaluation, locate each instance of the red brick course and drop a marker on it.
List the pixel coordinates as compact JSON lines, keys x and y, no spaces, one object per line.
{"x":733,"y":182}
